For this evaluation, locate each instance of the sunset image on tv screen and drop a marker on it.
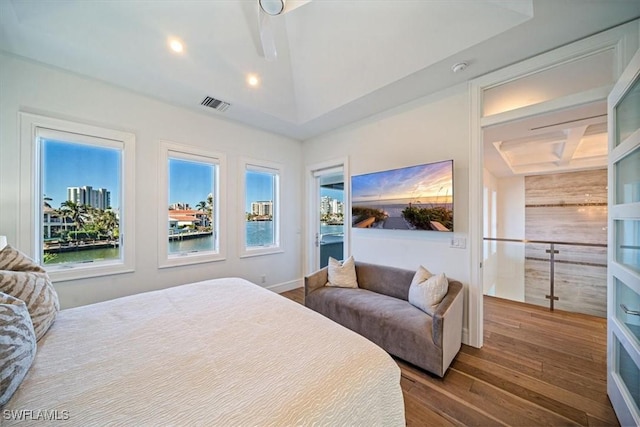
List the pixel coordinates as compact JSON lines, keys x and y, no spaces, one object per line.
{"x":412,"y":198}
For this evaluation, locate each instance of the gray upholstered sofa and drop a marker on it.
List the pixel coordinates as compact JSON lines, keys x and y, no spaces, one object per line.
{"x":379,"y":310}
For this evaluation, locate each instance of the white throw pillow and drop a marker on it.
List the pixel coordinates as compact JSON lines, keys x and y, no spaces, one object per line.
{"x":342,"y":274}
{"x":427,"y":290}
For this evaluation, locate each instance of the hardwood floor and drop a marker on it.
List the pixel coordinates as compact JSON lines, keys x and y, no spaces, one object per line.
{"x":536,"y":368}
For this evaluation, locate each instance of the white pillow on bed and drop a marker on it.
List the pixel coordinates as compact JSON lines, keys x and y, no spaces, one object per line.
{"x":342,"y":274}
{"x":17,"y":345}
{"x":427,"y":290}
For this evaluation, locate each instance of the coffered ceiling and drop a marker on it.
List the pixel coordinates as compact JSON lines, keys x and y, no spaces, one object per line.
{"x":561,"y":141}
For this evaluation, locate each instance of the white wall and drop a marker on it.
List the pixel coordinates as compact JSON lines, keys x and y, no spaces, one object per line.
{"x":511,"y":205}
{"x":503,"y":262}
{"x":429,"y":129}
{"x":490,"y":261}
{"x":30,"y":87}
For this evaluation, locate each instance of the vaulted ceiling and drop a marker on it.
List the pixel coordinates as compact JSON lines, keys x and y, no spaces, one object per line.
{"x":337,"y":61}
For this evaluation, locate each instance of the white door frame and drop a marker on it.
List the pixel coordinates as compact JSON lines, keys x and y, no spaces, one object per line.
{"x":312,"y":198}
{"x":624,"y":41}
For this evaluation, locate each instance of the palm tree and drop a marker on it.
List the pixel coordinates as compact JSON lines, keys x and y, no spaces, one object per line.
{"x":46,"y":200}
{"x":76,"y":212}
{"x":210,"y":208}
{"x":106,"y":222}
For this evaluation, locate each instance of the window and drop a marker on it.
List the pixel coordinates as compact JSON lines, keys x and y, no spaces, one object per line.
{"x":261,"y":228}
{"x":190,"y":211}
{"x":81,"y":207}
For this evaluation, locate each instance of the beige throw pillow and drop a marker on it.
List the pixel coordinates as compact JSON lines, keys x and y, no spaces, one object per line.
{"x":14,"y":260}
{"x":342,"y":274}
{"x":427,"y":290}
{"x":17,"y":345}
{"x":22,"y":278}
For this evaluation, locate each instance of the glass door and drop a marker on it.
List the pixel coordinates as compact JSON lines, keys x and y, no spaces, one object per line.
{"x":329,"y":228}
{"x":623,"y":281}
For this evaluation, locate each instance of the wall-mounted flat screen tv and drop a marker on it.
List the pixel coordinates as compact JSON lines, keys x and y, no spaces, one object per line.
{"x":411,"y":198}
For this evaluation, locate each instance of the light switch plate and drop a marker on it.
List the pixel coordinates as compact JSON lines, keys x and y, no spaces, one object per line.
{"x":458,"y":242}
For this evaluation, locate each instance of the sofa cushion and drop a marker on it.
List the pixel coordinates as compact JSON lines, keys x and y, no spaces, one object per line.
{"x":342,"y":274}
{"x":392,"y":323}
{"x":384,"y":280}
{"x":427,"y":290}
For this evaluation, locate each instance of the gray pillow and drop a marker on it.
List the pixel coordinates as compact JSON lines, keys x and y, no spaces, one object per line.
{"x":17,"y":345}
{"x":22,"y":278}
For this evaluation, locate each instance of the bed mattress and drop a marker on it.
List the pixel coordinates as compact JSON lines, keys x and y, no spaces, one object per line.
{"x":222,"y":352}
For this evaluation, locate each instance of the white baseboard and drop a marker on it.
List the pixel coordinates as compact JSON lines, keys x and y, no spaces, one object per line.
{"x":465,"y":336}
{"x":286,"y":286}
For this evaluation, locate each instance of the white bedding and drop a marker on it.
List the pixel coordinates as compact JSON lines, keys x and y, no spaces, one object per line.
{"x":223,"y":352}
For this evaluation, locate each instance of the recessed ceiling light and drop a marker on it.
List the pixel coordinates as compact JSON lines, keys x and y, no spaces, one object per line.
{"x":176,"y":45}
{"x":253,"y":80}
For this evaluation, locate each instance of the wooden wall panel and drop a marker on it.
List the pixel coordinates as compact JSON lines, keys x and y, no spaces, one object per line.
{"x":568,"y":207}
{"x":571,"y":188}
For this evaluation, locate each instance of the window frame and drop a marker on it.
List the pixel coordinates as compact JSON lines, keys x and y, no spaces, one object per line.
{"x":31,"y":214}
{"x":187,"y":152}
{"x":247,"y":164}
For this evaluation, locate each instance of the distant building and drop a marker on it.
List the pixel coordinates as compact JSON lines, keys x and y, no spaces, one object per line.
{"x":53,"y":223}
{"x":180,"y":206}
{"x":187,"y":218}
{"x":331,"y":206}
{"x":262,"y":208}
{"x":99,"y":198}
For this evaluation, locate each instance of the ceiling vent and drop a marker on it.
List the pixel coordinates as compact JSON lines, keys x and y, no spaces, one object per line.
{"x":216,"y":104}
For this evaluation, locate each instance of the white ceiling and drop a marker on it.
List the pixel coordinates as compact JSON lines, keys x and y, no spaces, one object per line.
{"x":338,"y":60}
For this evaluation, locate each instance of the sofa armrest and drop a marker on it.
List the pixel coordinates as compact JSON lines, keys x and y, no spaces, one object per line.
{"x":447,"y":323}
{"x":316,"y":280}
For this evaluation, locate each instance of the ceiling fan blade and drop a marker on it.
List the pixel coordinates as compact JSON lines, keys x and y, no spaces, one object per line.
{"x":266,"y":36}
{"x":265,"y":23}
{"x":293,"y":4}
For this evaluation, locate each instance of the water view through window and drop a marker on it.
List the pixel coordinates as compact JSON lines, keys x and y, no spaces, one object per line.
{"x":81,"y":187}
{"x":191,"y":210}
{"x":260,"y":209}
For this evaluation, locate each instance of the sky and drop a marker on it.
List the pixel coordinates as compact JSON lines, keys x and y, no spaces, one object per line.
{"x":189,"y":182}
{"x":77,"y":165}
{"x":330,"y":192}
{"x":424,"y":183}
{"x":259,"y":188}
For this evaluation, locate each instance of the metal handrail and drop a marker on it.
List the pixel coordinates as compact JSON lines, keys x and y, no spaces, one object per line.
{"x":546,"y":242}
{"x":552,"y":252}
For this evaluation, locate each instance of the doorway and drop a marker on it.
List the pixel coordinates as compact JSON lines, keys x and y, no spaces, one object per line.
{"x":547,"y":83}
{"x":329,"y":216}
{"x":545,"y":209}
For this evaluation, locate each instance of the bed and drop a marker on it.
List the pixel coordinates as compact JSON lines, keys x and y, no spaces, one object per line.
{"x":222,"y":352}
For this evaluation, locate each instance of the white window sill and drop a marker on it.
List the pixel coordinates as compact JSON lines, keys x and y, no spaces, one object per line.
{"x":259,"y":251}
{"x":177,"y":260}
